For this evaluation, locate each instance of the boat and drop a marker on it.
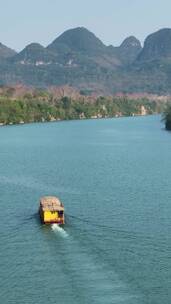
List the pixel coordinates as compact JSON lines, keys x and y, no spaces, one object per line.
{"x":51,"y":210}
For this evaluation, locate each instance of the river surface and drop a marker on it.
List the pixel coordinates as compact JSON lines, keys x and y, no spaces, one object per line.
{"x":114,"y":178}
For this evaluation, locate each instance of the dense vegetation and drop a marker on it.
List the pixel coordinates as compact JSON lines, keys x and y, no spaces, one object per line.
{"x":43,"y":106}
{"x":167,"y":117}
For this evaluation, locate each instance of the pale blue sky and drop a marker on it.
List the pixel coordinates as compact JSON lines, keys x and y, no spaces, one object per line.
{"x":26,"y":21}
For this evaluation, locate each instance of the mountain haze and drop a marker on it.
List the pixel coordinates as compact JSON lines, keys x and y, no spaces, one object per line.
{"x":81,"y":60}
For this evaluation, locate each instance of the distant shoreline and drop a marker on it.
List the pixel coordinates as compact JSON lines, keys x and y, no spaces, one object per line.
{"x":69,"y":120}
{"x":20,"y":106}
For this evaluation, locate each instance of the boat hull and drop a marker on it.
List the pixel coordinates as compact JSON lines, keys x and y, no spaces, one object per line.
{"x":52,"y":221}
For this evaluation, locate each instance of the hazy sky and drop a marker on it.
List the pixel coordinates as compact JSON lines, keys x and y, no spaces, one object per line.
{"x":26,"y":21}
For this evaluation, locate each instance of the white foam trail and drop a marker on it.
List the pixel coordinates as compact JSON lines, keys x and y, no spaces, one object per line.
{"x":57,"y":228}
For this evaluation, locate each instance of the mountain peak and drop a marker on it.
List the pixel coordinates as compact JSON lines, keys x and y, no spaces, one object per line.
{"x":131,"y":42}
{"x":34,"y":46}
{"x":128,"y":50}
{"x":6,"y":52}
{"x":34,"y":53}
{"x":157,"y":45}
{"x":77,"y":39}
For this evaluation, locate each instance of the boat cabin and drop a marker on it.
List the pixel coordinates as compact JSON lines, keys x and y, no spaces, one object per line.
{"x":51,"y":210}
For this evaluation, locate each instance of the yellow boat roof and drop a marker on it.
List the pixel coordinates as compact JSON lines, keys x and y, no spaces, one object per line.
{"x":51,"y":203}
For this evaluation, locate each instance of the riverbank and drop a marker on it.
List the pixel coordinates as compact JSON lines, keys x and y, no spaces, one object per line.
{"x":42,"y":106}
{"x":62,"y":120}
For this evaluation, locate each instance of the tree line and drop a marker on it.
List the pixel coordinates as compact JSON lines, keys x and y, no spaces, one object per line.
{"x":45,"y":107}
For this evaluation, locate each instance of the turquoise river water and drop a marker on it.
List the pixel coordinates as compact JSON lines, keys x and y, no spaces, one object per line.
{"x":114,"y":178}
